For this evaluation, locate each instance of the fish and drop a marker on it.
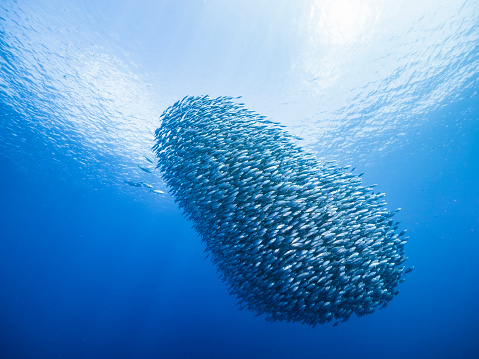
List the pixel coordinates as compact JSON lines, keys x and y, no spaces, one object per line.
{"x":293,"y":239}
{"x":147,"y":170}
{"x":133,"y":184}
{"x":147,"y":185}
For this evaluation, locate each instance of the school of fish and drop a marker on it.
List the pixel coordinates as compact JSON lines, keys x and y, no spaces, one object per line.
{"x":293,"y":239}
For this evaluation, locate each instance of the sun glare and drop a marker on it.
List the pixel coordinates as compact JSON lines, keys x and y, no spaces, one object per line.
{"x":341,"y":21}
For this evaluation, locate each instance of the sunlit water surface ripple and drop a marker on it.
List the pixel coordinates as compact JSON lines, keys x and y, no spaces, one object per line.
{"x":354,"y":75}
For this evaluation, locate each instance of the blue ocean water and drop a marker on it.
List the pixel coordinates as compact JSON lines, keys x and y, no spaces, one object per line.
{"x":91,"y":267}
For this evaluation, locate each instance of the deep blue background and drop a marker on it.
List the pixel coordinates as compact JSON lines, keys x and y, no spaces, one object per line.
{"x":91,"y":268}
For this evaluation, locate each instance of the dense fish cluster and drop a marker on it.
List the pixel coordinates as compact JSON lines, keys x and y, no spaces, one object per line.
{"x":295,"y":240}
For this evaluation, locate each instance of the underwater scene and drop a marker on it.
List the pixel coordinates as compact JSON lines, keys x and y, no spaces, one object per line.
{"x":239,"y":179}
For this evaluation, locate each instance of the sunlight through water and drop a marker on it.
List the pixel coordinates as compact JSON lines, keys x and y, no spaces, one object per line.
{"x":347,"y":73}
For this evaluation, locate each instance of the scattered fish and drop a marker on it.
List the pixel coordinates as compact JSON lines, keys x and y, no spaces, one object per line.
{"x":294,"y":239}
{"x":157,"y":191}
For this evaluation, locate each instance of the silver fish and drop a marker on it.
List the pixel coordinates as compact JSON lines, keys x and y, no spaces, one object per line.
{"x":294,"y":240}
